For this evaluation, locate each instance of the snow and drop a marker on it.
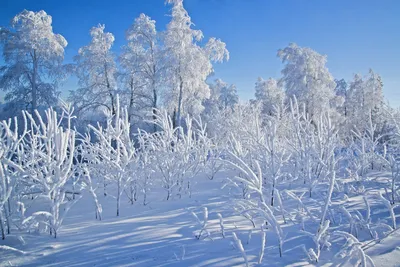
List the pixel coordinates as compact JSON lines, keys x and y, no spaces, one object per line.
{"x":158,"y":234}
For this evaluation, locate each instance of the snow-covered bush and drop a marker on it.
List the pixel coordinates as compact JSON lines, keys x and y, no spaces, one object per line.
{"x":10,"y":168}
{"x":113,"y":151}
{"x":49,"y":152}
{"x":321,"y":240}
{"x":202,"y":224}
{"x":352,"y":250}
{"x":179,"y":153}
{"x":253,"y":179}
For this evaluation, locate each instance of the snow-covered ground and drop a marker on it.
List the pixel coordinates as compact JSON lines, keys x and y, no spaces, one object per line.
{"x":162,"y":233}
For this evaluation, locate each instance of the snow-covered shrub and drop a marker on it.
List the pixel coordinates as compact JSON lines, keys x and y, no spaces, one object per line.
{"x":169,"y":159}
{"x":87,"y":182}
{"x":352,"y":250}
{"x":113,"y":151}
{"x":179,"y":153}
{"x":49,"y":152}
{"x":390,"y":208}
{"x":145,"y":170}
{"x":274,"y":156}
{"x":202,"y":224}
{"x":393,"y":164}
{"x":213,"y":164}
{"x":321,"y":241}
{"x":303,"y":145}
{"x":303,"y":210}
{"x":367,"y":149}
{"x":357,"y":221}
{"x":11,"y":166}
{"x":254,"y":181}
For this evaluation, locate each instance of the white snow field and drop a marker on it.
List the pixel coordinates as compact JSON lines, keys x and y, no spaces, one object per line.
{"x":162,"y":233}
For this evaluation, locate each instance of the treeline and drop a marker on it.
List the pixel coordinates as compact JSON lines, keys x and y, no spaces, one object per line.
{"x":170,"y":70}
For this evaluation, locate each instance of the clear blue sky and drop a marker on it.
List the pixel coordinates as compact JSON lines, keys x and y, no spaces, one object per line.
{"x":355,"y":34}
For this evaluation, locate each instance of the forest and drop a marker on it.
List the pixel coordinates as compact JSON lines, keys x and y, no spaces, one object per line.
{"x":153,"y":161}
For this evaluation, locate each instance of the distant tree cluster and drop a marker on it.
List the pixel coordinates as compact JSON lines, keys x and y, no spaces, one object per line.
{"x":154,"y":69}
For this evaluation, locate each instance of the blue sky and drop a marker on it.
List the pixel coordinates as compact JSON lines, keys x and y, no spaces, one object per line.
{"x":355,"y":34}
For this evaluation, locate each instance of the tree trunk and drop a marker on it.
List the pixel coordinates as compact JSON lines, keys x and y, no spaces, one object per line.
{"x":104,"y":187}
{"x":112,"y":104}
{"x":174,"y":119}
{"x":7,"y":213}
{"x":7,"y":210}
{"x":34,"y":85}
{"x":154,"y":107}
{"x":393,"y":185}
{"x":272,"y":193}
{"x":178,"y":115}
{"x":3,"y":235}
{"x":131,"y":101}
{"x":109,"y":90}
{"x":118,"y":196}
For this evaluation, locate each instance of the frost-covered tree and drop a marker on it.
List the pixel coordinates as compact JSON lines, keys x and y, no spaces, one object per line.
{"x":355,"y":96}
{"x":222,"y":97}
{"x":96,"y":72}
{"x":228,"y":97}
{"x":212,"y":104}
{"x":341,"y":90}
{"x":365,"y":100}
{"x":270,"y":94}
{"x":141,"y":60}
{"x":33,"y":56}
{"x":306,"y":77}
{"x":373,"y":100}
{"x":189,"y":64}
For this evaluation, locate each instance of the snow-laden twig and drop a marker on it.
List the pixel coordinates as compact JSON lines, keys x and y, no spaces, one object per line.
{"x":249,"y":236}
{"x":300,"y":203}
{"x":239,"y":246}
{"x":353,"y":249}
{"x":280,"y":204}
{"x":88,"y":181}
{"x":8,"y":248}
{"x":254,"y":181}
{"x":221,"y":224}
{"x":203,"y":224}
{"x":320,"y":240}
{"x":183,"y":253}
{"x":262,"y":247}
{"x":390,"y":209}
